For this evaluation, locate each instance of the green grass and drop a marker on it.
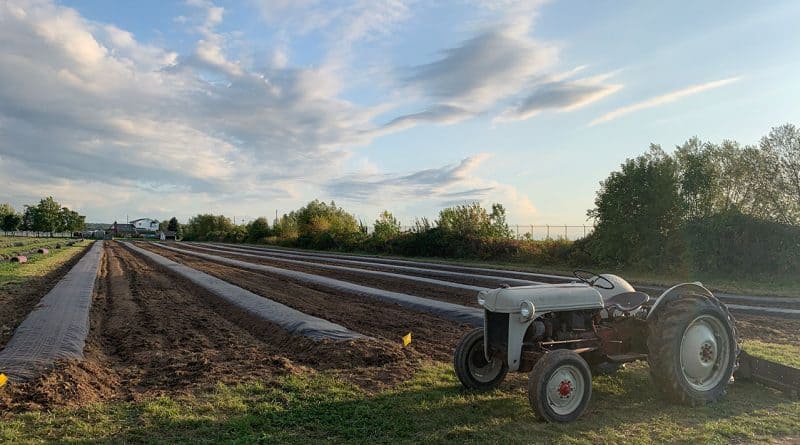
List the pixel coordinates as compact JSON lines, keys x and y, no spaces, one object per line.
{"x":430,"y":408}
{"x":784,"y":354}
{"x":30,"y":244}
{"x":38,"y":265}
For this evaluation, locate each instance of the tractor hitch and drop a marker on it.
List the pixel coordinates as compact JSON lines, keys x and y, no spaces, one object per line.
{"x":770,"y":374}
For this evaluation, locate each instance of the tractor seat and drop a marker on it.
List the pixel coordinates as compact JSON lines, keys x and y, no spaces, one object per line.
{"x":627,"y":301}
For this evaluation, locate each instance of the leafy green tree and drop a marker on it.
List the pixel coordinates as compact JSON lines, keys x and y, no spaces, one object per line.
{"x":6,"y":209}
{"x":473,"y":221}
{"x":318,"y":220}
{"x":47,"y":217}
{"x":386,"y":227}
{"x":207,"y":227}
{"x":173,"y":225}
{"x":70,"y":221}
{"x":10,"y":220}
{"x":28,"y":217}
{"x":637,"y":209}
{"x":286,"y":226}
{"x":782,"y":149}
{"x":497,"y":222}
{"x":258,"y":229}
{"x":698,"y":178}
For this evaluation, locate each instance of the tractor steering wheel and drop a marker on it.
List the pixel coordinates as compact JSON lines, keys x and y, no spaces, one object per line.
{"x":592,"y":279}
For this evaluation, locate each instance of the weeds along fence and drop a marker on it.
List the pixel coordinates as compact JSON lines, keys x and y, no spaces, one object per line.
{"x":540,"y":232}
{"x":32,"y":234}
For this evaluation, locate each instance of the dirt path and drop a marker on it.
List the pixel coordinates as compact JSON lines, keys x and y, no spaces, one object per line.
{"x":153,"y":333}
{"x":18,"y":299}
{"x":433,"y":337}
{"x":420,"y":289}
{"x":769,"y":329}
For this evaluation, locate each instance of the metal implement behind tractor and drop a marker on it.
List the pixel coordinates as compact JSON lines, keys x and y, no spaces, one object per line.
{"x":564,"y":333}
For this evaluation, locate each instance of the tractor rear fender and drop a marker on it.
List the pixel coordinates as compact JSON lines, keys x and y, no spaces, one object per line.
{"x":676,"y":292}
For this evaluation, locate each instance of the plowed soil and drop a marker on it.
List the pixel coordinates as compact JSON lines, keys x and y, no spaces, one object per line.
{"x":153,"y":333}
{"x":420,"y":289}
{"x":769,"y":329}
{"x":433,"y":337}
{"x":387,"y":263}
{"x":474,"y":279}
{"x":18,"y":299}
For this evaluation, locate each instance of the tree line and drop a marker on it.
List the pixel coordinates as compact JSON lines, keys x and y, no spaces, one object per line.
{"x":458,"y":231}
{"x":706,"y":207}
{"x":711,"y":207}
{"x":46,"y":216}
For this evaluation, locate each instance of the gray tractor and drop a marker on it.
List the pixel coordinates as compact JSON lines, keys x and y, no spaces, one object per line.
{"x":562,"y":334}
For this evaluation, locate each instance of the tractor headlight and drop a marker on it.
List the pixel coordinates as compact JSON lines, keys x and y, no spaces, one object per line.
{"x":526,"y":310}
{"x":481,"y":298}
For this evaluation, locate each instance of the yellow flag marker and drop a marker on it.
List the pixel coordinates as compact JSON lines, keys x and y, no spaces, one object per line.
{"x":4,"y":379}
{"x":407,"y":339}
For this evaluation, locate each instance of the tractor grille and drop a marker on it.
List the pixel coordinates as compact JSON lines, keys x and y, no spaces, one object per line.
{"x":496,"y":331}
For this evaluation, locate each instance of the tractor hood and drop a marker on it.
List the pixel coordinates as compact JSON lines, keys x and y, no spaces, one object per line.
{"x":544,"y":297}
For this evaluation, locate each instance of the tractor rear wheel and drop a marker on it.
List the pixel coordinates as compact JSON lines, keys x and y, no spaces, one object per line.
{"x":560,"y":386}
{"x":692,"y":350}
{"x":472,"y":368}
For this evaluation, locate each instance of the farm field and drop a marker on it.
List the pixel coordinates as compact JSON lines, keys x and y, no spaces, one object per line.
{"x":770,"y":285}
{"x":23,"y":285}
{"x":13,"y":245}
{"x":167,"y":361}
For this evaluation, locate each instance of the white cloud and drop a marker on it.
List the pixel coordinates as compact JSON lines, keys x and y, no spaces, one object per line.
{"x":468,"y":79}
{"x":440,"y":187}
{"x":89,"y":109}
{"x":560,"y":95}
{"x":663,"y":99}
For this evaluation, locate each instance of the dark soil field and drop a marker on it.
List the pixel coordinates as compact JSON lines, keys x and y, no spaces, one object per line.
{"x":153,"y":333}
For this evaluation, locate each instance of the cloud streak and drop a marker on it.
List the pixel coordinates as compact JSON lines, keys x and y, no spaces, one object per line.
{"x":439,"y":187}
{"x":663,"y":99}
{"x":468,"y":79}
{"x":560,"y":95}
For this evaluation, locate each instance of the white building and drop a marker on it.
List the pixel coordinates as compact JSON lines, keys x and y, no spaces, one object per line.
{"x":145,"y":224}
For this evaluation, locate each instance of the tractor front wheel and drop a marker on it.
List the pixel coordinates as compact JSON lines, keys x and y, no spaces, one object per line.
{"x":472,"y":368}
{"x":560,"y":386}
{"x":692,"y":349}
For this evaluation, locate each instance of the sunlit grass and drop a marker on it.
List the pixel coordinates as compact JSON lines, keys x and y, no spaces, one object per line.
{"x":30,"y":244}
{"x":38,"y":265}
{"x":430,"y":408}
{"x":788,"y":355}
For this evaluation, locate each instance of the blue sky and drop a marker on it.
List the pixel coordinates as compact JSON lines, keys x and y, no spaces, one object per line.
{"x":157,"y":108}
